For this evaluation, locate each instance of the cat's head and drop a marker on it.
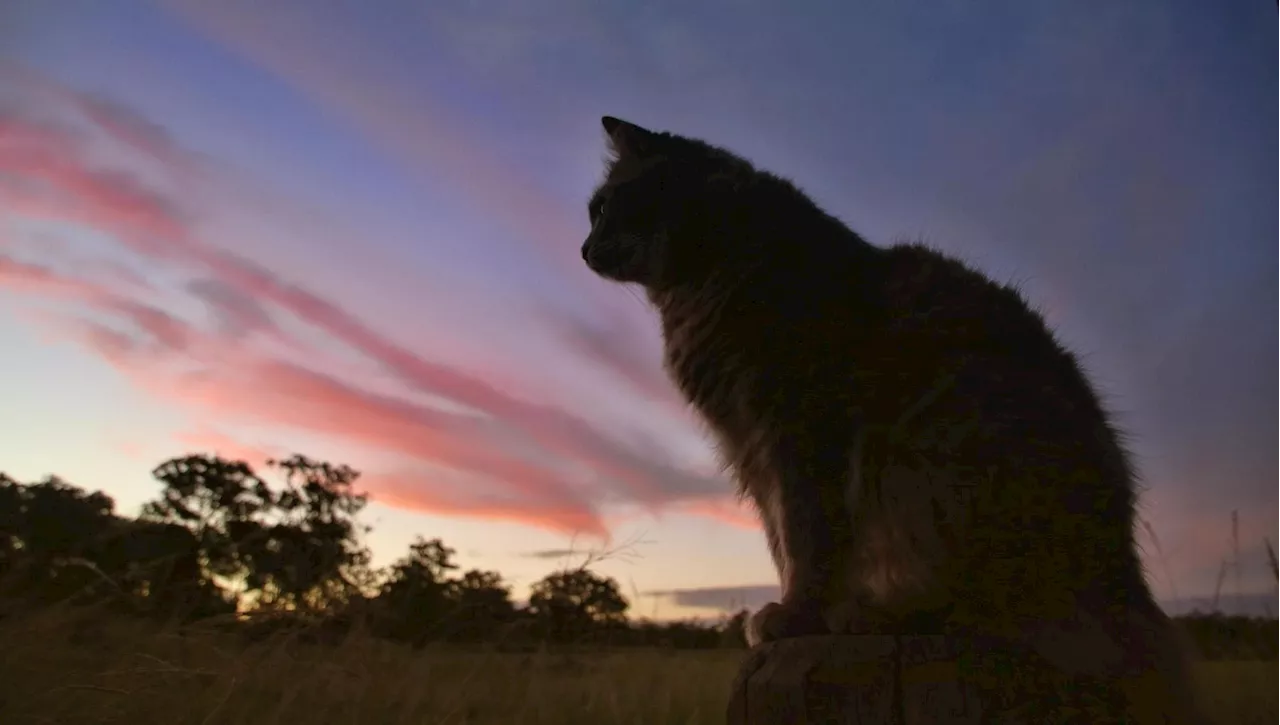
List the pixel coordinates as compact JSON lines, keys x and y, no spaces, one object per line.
{"x":654,"y":219}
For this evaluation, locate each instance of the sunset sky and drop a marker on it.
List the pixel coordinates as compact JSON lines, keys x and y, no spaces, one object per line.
{"x":352,"y":230}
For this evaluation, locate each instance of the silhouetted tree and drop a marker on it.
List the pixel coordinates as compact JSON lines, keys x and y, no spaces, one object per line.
{"x":313,"y":547}
{"x":295,"y":547}
{"x":416,"y":598}
{"x":734,"y":632}
{"x":569,"y":605}
{"x":481,"y":606}
{"x":59,"y":519}
{"x":223,"y":504}
{"x":58,"y":541}
{"x":50,"y":530}
{"x":158,"y":565}
{"x":10,"y":523}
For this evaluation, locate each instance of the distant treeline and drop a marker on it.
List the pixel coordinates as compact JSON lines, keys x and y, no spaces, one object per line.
{"x":1219,"y":637}
{"x":222,"y":546}
{"x":221,"y":543}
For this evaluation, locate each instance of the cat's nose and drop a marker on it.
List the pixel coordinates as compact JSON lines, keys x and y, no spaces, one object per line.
{"x":585,"y":246}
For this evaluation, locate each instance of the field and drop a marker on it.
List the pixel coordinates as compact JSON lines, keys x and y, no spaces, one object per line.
{"x":70,"y":668}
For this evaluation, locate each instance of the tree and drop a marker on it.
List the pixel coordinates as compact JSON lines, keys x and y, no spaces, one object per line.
{"x":59,"y":519}
{"x":313,"y":547}
{"x":58,"y":541}
{"x":421,"y":600}
{"x":295,"y":547}
{"x":481,"y":605}
{"x":571,"y":604}
{"x":416,"y":597}
{"x":734,"y":632}
{"x":221,"y":502}
{"x":11,"y":503}
{"x":158,"y":566}
{"x":47,"y":528}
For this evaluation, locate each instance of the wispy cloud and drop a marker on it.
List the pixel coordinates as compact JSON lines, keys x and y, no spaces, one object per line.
{"x":630,"y":352}
{"x":565,"y":469}
{"x":551,"y":554}
{"x":282,"y":393}
{"x":237,"y":313}
{"x":414,"y":491}
{"x":114,"y":120}
{"x":330,"y":64}
{"x":723,"y":598}
{"x":38,"y":279}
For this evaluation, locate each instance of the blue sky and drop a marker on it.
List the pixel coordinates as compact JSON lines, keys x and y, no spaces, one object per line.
{"x":352,"y":230}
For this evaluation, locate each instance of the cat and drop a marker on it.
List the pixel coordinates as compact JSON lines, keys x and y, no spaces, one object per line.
{"x":923,"y":453}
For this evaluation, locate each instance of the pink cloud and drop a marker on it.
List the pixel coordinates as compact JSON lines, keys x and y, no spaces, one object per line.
{"x":283,"y":393}
{"x":413,"y":492}
{"x":117,"y":348}
{"x":116,"y":121}
{"x":726,"y":510}
{"x":58,"y":184}
{"x":280,"y":393}
{"x":553,"y":428}
{"x":165,"y":329}
{"x":244,"y":295}
{"x":34,"y":278}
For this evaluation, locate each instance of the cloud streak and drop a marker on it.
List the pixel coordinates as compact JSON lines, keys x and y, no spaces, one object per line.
{"x":567,"y":468}
{"x":551,"y":554}
{"x":325,"y":63}
{"x":723,"y":598}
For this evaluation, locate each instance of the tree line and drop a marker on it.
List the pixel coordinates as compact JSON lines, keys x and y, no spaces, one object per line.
{"x":222,"y":543}
{"x":285,"y":548}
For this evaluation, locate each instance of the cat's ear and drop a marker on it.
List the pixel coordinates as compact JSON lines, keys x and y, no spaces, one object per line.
{"x":627,"y":139}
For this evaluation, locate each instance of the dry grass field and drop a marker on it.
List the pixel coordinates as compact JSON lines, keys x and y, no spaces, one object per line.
{"x":60,"y":667}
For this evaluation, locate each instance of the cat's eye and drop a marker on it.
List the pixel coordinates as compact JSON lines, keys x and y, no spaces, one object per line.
{"x":597,"y":208}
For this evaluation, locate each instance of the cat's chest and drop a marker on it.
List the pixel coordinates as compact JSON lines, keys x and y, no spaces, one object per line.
{"x":722,"y":371}
{"x":724,"y":393}
{"x":717,"y":381}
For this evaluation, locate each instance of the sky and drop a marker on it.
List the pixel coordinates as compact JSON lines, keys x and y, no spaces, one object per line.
{"x":352,"y":230}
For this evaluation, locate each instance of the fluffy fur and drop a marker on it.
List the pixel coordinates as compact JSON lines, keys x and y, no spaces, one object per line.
{"x":925,"y":456}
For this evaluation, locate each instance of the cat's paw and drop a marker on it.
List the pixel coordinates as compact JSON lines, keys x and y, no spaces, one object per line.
{"x":777,"y":620}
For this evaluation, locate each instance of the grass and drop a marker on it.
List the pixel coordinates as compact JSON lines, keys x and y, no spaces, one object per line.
{"x":54,"y":668}
{"x":1240,"y":693}
{"x":67,"y":667}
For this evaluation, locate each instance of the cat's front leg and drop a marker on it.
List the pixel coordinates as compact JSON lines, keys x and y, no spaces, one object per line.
{"x":806,"y":515}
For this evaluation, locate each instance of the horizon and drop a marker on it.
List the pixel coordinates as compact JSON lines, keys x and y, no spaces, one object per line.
{"x":315,"y":228}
